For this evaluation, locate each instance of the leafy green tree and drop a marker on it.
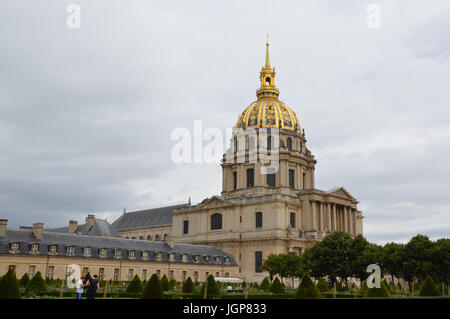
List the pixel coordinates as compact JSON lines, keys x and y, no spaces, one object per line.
{"x":307,"y":289}
{"x":24,"y":281}
{"x":429,"y":288}
{"x":165,"y":283}
{"x":417,"y":261}
{"x":153,"y":289}
{"x":188,"y":285}
{"x":277,"y":287}
{"x":265,"y":285}
{"x":273,"y":265}
{"x":213,"y":290}
{"x":135,"y":285}
{"x":9,"y":286}
{"x":362,"y":254}
{"x":37,"y":284}
{"x":322,"y":285}
{"x":392,"y":259}
{"x":440,"y":257}
{"x":331,"y":256}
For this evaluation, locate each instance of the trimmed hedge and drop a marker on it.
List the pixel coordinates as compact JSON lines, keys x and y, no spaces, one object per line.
{"x":9,"y":286}
{"x":135,"y":285}
{"x":277,"y":287}
{"x":307,"y":288}
{"x":37,"y":285}
{"x":153,"y":290}
{"x":322,"y":285}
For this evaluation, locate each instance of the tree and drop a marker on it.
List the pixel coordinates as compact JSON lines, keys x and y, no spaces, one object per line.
{"x":429,"y":288}
{"x":188,"y":285}
{"x":24,"y":281}
{"x":440,"y":256}
{"x":331,"y":256}
{"x":153,"y":289}
{"x":37,"y":284}
{"x":417,"y":258}
{"x":376,"y":292}
{"x":362,"y":254}
{"x":322,"y":285}
{"x":277,"y":287}
{"x":307,"y":288}
{"x":284,"y":265}
{"x":165,"y":283}
{"x":135,"y":285}
{"x":9,"y":286}
{"x":392,"y":259}
{"x":265,"y":285}
{"x":273,"y":265}
{"x":213,"y":290}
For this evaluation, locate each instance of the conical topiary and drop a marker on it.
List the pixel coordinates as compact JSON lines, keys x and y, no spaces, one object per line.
{"x":188,"y":285}
{"x":322,"y":285}
{"x":37,"y":284}
{"x":213,"y":290}
{"x":381,"y":292}
{"x":386,"y":286}
{"x":153,"y":289}
{"x":277,"y":287}
{"x":165,"y":283}
{"x":307,"y":288}
{"x":429,"y":288}
{"x":135,"y":285}
{"x":363,"y":289}
{"x":9,"y":286}
{"x":24,"y":281}
{"x":265,"y":285}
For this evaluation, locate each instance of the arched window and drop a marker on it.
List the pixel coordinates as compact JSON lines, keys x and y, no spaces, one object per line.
{"x":149,"y":237}
{"x":289,"y":143}
{"x":216,"y":221}
{"x":157,"y":237}
{"x":267,"y":81}
{"x":141,"y":237}
{"x":165,"y":237}
{"x":269,"y":142}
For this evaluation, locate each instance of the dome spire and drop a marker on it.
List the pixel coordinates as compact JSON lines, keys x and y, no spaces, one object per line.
{"x":267,"y":52}
{"x":267,"y":78}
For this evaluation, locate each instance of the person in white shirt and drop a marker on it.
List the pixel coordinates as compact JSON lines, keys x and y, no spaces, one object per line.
{"x":79,"y":286}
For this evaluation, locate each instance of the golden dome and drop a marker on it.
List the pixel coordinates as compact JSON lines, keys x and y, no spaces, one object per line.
{"x":268,"y":111}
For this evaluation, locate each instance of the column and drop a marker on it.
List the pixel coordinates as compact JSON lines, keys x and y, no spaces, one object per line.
{"x":345,"y":219}
{"x":321,"y":215}
{"x":313,"y":211}
{"x":334,"y":217}
{"x":354,"y":222}
{"x":329,"y":216}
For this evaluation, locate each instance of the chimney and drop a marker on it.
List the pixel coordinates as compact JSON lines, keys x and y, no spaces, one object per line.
{"x":90,"y":219}
{"x":38,"y":230}
{"x":73,"y":225}
{"x":3,"y":223}
{"x":25,"y":228}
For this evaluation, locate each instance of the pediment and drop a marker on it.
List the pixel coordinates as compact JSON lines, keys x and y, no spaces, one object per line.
{"x":214,"y":202}
{"x":341,"y":192}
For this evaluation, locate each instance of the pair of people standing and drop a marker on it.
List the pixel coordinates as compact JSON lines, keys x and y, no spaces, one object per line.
{"x":91,"y":286}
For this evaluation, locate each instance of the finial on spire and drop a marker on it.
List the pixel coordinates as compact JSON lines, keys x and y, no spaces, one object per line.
{"x":267,"y":52}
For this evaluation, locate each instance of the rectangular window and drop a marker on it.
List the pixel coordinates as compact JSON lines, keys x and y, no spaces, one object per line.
{"x":31,"y":271}
{"x":258,"y":261}
{"x":158,"y":273}
{"x":292,"y":220}
{"x":51,"y":272}
{"x":206,"y":275}
{"x":303,"y":182}
{"x":258,"y":217}
{"x":185,"y":227}
{"x":70,"y":251}
{"x":145,"y":255}
{"x":234,"y":180}
{"x":87,"y":252}
{"x":130,"y":274}
{"x":68,"y":271}
{"x":34,"y":249}
{"x":217,"y":274}
{"x":158,"y":256}
{"x":291,"y":178}
{"x":271,"y":180}
{"x":195,"y":276}
{"x":52,"y":250}
{"x":116,"y":274}
{"x":172,"y":257}
{"x":171,"y":275}
{"x":250,"y":177}
{"x":144,"y":274}
{"x":14,"y":247}
{"x":85,"y":271}
{"x":117,"y":253}
{"x":12,"y":267}
{"x":183,"y":276}
{"x":131,"y":254}
{"x":101,"y":273}
{"x":227,"y":275}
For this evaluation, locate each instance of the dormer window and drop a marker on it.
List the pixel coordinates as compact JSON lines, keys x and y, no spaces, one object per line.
{"x":145,"y":255}
{"x":14,"y":248}
{"x":117,"y":253}
{"x":34,"y":249}
{"x":227,"y":260}
{"x":52,"y":250}
{"x":207,"y":259}
{"x":172,"y":257}
{"x":196,"y":259}
{"x":131,"y":254}
{"x":87,"y":252}
{"x":184,"y":258}
{"x":70,"y":251}
{"x":217,"y":259}
{"x":102,"y":253}
{"x":158,"y":256}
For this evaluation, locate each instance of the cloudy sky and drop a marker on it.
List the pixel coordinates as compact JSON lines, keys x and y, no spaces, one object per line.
{"x":86,"y":115}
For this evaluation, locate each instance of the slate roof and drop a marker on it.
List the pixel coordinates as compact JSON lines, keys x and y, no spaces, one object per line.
{"x":160,"y":216}
{"x":62,"y":240}
{"x":100,"y":227}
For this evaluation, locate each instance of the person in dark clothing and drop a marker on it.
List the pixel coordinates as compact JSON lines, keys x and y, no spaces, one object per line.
{"x":92,"y":285}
